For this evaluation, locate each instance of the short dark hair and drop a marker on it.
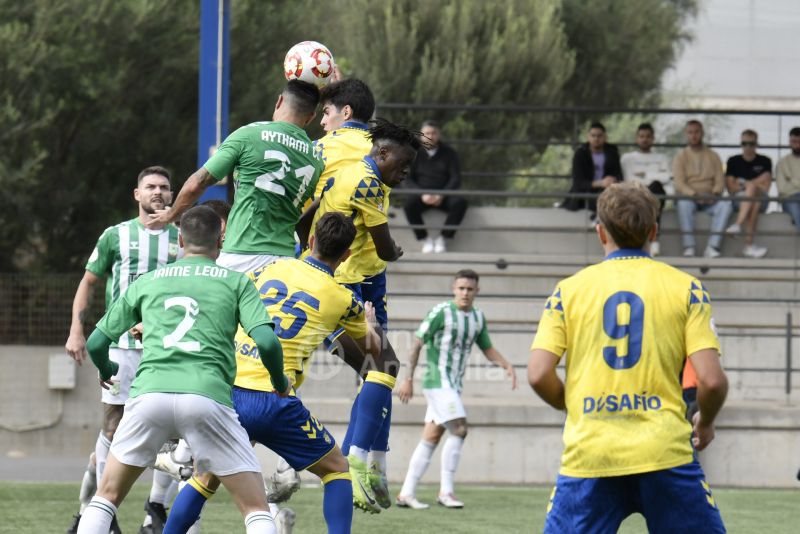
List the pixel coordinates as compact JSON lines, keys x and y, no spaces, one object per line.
{"x":303,"y":96}
{"x":646,"y":126}
{"x":201,"y":227}
{"x":750,"y":133}
{"x":467,"y":273}
{"x":383,"y":130}
{"x":795,"y":132}
{"x":597,"y":124}
{"x":153,"y":169}
{"x":628,"y":211}
{"x":220,"y":207}
{"x":432,"y":123}
{"x":694,"y":122}
{"x":333,"y":234}
{"x":353,"y":93}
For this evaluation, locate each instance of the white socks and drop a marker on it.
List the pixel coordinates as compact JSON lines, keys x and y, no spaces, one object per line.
{"x":416,"y":467}
{"x":379,"y":458}
{"x":88,"y":485}
{"x":172,"y":491}
{"x":101,"y":455}
{"x":161,"y":483}
{"x":182,"y":453}
{"x":259,"y":523}
{"x":451,"y":454}
{"x":359,"y":453}
{"x":96,"y":519}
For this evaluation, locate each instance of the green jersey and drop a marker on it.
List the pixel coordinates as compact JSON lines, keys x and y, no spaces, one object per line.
{"x":277,"y":170}
{"x":126,"y":251}
{"x":448,"y":334}
{"x":190,"y":311}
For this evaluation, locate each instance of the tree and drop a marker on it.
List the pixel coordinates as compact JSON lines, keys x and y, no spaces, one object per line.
{"x":92,"y":96}
{"x":459,"y":51}
{"x":622,"y":49}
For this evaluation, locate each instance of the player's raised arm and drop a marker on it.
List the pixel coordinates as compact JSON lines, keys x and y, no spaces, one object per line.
{"x":76,"y":343}
{"x":190,"y":193}
{"x":543,"y":378}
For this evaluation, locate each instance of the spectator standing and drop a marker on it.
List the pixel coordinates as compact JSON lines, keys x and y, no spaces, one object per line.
{"x":595,"y":166}
{"x":748,"y":175}
{"x":649,"y":168}
{"x":697,"y":171}
{"x":787,"y":176}
{"x":436,"y":167}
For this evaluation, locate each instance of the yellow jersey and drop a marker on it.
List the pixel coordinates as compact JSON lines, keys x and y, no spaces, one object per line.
{"x":340,"y":148}
{"x":627,"y":325}
{"x":358,"y":191}
{"x":306,"y":305}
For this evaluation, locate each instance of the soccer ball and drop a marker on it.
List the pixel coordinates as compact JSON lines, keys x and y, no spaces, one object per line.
{"x":310,"y":62}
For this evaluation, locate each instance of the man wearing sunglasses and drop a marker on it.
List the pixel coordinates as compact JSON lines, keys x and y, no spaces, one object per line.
{"x":748,"y":176}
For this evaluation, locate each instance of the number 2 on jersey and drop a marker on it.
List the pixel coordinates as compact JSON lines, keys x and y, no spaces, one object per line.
{"x":632,"y":331}
{"x":191,"y":309}
{"x":289,"y":307}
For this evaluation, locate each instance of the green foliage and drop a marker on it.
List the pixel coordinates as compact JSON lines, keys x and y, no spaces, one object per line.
{"x":466,"y":52}
{"x":92,"y":92}
{"x":622,"y":48}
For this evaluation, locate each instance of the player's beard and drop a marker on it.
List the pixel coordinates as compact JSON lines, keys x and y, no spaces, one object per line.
{"x":796,"y":152}
{"x":149,"y":208}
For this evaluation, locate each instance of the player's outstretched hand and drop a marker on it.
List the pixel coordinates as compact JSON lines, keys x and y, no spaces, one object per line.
{"x":76,"y":347}
{"x":406,"y":390}
{"x":703,"y":433}
{"x":159,"y":219}
{"x":512,"y":374}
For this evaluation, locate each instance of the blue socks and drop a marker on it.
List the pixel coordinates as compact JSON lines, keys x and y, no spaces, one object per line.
{"x":187,"y":507}
{"x":337,"y":503}
{"x":371,"y":414}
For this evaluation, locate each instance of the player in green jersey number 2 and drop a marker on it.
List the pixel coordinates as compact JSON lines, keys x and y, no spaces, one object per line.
{"x":276,"y":171}
{"x":190,"y":311}
{"x":123,"y":252}
{"x":448,"y":333}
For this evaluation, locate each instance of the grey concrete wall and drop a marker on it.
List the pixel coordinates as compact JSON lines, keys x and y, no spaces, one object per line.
{"x":512,"y":440}
{"x":547,"y":231}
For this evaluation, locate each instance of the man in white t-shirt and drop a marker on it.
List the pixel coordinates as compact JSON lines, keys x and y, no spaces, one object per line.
{"x":649,"y":168}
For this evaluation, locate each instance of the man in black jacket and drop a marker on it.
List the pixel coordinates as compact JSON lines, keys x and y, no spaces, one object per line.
{"x":436,"y":167}
{"x":595,"y":166}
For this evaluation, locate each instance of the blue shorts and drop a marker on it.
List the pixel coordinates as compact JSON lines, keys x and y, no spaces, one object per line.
{"x":671,"y":500}
{"x":283,"y":425}
{"x":373,"y":289}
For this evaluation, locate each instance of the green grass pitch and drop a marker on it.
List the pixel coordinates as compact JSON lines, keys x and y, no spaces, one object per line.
{"x":48,"y":507}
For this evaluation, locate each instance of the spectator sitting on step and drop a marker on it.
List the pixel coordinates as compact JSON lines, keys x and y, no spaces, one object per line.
{"x":595,"y":166}
{"x":697,"y":171}
{"x":787,"y":176}
{"x":437,"y":168}
{"x":649,"y":168}
{"x":748,"y":175}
